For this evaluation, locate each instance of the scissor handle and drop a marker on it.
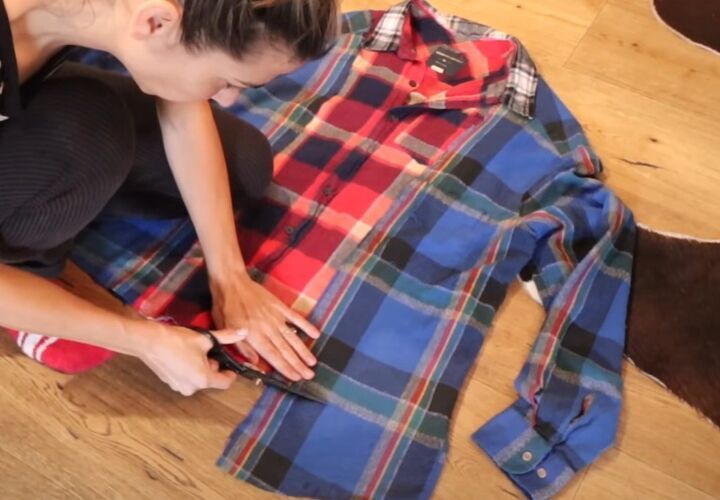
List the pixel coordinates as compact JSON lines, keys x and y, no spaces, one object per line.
{"x":226,"y":362}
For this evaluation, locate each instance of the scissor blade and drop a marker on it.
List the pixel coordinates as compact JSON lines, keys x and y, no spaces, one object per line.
{"x":293,"y":388}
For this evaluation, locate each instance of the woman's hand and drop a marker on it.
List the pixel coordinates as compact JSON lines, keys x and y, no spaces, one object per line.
{"x":240,"y":302}
{"x":179,"y":357}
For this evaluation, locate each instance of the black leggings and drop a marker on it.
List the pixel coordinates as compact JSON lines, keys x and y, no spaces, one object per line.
{"x":88,"y":143}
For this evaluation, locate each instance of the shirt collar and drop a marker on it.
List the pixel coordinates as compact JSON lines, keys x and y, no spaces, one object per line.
{"x":395,"y":31}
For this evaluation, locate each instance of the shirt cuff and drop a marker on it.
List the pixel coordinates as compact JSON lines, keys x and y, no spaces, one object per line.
{"x":537,"y":467}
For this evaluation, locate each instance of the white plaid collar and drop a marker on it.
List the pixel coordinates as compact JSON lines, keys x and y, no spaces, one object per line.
{"x":519,"y":95}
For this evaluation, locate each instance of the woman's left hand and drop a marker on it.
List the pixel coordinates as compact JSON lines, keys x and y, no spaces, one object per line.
{"x":239,"y":302}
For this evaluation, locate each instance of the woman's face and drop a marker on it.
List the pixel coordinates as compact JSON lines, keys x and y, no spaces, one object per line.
{"x":162,"y":66}
{"x":180,"y":75}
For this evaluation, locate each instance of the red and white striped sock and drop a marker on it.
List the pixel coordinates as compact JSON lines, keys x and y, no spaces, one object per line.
{"x":65,"y":356}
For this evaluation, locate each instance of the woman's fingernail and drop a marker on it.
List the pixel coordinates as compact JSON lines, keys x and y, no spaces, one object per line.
{"x":241,"y":333}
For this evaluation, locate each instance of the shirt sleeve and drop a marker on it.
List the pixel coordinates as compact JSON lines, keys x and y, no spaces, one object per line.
{"x":581,"y":261}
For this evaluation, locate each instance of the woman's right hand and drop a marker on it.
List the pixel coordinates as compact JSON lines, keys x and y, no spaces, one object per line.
{"x":179,"y":357}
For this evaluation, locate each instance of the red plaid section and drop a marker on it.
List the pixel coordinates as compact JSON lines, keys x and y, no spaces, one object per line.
{"x":337,"y":178}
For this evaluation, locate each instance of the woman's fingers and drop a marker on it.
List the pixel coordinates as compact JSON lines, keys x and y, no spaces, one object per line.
{"x":237,"y":337}
{"x":291,"y":337}
{"x":268,"y":336}
{"x":296,"y":319}
{"x":248,"y":352}
{"x":231,"y":336}
{"x":278,"y":337}
{"x":268,"y":350}
{"x":260,"y":340}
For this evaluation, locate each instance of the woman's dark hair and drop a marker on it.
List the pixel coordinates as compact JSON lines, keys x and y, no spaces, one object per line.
{"x":306,"y":26}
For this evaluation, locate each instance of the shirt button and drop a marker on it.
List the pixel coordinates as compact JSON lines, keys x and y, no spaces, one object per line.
{"x":413,"y":83}
{"x":527,"y":456}
{"x":542,"y":473}
{"x":289,"y":229}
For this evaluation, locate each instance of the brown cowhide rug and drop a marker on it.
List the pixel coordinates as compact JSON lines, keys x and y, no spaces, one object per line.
{"x":695,"y":20}
{"x":673,"y":331}
{"x":674,"y":317}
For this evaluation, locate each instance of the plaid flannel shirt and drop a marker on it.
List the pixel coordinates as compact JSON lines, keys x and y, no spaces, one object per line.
{"x":404,"y":203}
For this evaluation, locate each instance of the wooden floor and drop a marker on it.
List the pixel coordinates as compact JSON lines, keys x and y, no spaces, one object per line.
{"x":650,"y":103}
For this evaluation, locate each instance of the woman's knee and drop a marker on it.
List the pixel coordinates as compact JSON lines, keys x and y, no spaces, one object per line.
{"x":248,"y":155}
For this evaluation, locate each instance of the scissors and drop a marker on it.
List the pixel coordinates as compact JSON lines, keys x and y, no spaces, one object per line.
{"x":223,"y":354}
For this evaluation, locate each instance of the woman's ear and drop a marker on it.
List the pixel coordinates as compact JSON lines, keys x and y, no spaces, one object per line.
{"x":153,"y":18}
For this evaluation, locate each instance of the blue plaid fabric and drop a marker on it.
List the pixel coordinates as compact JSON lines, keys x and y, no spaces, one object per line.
{"x":407,"y":309}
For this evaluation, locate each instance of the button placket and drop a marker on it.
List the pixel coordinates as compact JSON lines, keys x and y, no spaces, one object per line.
{"x":416,"y":74}
{"x":412,"y":76}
